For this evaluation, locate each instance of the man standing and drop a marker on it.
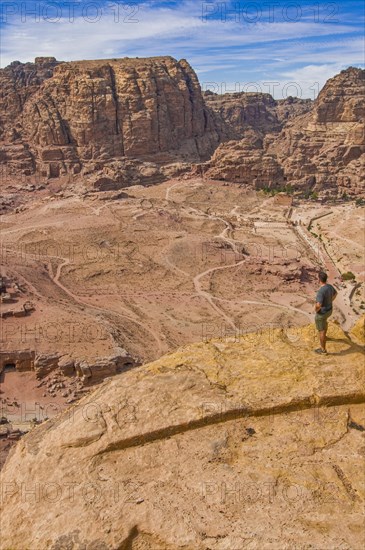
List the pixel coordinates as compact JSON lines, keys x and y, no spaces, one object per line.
{"x":325,"y":296}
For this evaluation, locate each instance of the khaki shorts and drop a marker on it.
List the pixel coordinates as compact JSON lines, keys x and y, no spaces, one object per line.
{"x":321,"y":320}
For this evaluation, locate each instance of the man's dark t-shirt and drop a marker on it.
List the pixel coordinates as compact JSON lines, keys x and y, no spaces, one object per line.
{"x":324,"y":297}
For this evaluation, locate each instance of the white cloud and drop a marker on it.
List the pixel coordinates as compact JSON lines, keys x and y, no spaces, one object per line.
{"x":305,"y":52}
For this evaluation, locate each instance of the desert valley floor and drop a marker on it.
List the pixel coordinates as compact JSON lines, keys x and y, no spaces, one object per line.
{"x":151,"y":269}
{"x":227,"y":277}
{"x":175,"y":263}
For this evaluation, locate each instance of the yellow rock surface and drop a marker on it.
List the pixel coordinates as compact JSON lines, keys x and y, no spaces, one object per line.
{"x":223,"y":445}
{"x":358,"y":331}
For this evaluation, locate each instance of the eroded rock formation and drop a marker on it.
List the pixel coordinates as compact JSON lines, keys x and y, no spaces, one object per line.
{"x":108,"y":124}
{"x":327,"y":146}
{"x":79,"y":117}
{"x":236,"y":113}
{"x":218,"y":444}
{"x":245,"y":161}
{"x":322,"y":150}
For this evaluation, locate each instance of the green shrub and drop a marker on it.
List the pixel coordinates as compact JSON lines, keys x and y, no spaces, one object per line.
{"x":288,"y":189}
{"x":349,"y":276}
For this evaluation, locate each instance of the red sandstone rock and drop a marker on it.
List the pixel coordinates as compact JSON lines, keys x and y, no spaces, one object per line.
{"x":320,"y":150}
{"x":78,"y":117}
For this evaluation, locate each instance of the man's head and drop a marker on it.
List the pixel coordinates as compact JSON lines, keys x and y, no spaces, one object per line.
{"x":322,"y":276}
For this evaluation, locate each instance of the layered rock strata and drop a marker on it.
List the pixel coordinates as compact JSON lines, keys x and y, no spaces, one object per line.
{"x":322,"y":150}
{"x":79,"y":117}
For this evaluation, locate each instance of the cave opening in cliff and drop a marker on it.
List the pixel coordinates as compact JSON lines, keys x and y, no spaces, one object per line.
{"x":9,"y":367}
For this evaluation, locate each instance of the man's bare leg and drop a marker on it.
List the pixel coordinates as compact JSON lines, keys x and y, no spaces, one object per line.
{"x":323,"y":338}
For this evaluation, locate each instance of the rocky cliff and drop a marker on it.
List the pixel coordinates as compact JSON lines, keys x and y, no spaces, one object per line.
{"x":18,"y":83}
{"x":224,"y":444}
{"x":238,"y":113}
{"x":82,"y":117}
{"x":112,"y":123}
{"x":321,"y":150}
{"x":326,"y":148}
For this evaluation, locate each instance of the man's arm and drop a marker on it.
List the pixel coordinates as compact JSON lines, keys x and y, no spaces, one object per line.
{"x":319,"y":301}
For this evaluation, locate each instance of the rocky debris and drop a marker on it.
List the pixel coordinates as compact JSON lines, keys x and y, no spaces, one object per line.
{"x":215,"y":445}
{"x":12,"y":302}
{"x":103,"y":367}
{"x":66,"y":365}
{"x":75,"y":118}
{"x":45,"y":364}
{"x":120,"y":174}
{"x":90,"y":372}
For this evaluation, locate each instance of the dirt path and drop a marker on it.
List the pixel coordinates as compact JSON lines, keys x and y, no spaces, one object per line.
{"x":55,"y":278}
{"x":90,"y":308}
{"x":209,"y":297}
{"x":269,"y":304}
{"x":168,"y":191}
{"x":227,"y":235}
{"x":196,"y":280}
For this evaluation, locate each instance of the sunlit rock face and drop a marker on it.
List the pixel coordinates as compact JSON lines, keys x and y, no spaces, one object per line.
{"x":66,"y":118}
{"x":219,"y":443}
{"x":321,"y":150}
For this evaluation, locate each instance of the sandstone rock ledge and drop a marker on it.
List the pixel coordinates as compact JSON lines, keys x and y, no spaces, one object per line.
{"x":222,"y":445}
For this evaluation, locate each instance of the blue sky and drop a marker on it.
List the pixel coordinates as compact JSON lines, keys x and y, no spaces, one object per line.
{"x":282,"y":47}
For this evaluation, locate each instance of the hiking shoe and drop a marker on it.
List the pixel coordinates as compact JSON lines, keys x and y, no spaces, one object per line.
{"x":320,"y":350}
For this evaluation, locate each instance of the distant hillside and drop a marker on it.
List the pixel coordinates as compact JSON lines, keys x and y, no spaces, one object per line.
{"x":321,"y":150}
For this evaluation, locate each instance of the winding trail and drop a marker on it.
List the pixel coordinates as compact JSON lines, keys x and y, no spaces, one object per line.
{"x":66,"y":261}
{"x":196,"y":280}
{"x":168,"y":191}
{"x":209,"y":297}
{"x":56,"y":279}
{"x":227,"y":236}
{"x":269,"y":304}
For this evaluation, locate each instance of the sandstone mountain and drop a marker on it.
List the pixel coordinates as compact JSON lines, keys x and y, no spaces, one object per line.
{"x":237,"y":113}
{"x":221,"y":445}
{"x":108,"y":124}
{"x":322,"y":150}
{"x":83,"y":117}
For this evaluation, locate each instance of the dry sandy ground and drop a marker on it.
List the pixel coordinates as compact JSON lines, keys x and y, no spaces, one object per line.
{"x":180,"y":262}
{"x":23,"y":398}
{"x":173,"y":264}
